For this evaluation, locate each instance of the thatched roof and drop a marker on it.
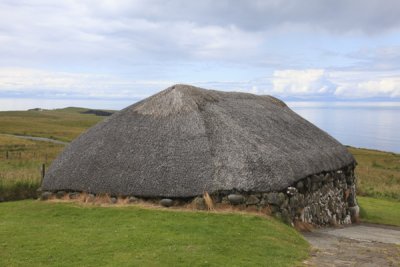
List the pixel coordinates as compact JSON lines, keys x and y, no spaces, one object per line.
{"x":186,"y":140}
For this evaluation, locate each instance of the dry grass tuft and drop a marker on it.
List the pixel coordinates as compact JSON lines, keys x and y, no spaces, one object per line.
{"x":303,"y":226}
{"x":208,"y":200}
{"x":103,"y":199}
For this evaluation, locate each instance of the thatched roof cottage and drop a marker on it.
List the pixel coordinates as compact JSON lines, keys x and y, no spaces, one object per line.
{"x":185,"y":141}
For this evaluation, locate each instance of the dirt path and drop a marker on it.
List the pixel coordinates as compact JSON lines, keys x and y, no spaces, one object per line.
{"x":34,"y":138}
{"x":356,"y":245}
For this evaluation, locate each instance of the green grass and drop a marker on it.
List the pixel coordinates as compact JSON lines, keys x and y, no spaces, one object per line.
{"x":379,"y":211}
{"x":62,"y":124}
{"x":34,"y":233}
{"x":378,"y":173}
{"x":20,"y":166}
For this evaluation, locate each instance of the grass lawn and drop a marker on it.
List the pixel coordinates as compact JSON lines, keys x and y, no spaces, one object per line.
{"x":379,"y":211}
{"x":34,"y":233}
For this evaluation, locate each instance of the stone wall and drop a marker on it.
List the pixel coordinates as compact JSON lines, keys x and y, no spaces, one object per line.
{"x":326,"y":198}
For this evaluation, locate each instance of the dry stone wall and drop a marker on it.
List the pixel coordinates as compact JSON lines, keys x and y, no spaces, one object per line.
{"x":327,"y":198}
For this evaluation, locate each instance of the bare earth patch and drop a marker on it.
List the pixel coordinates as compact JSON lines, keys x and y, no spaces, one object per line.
{"x":356,"y":245}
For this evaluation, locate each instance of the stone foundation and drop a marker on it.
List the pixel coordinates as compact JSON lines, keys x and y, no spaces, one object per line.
{"x":326,"y":198}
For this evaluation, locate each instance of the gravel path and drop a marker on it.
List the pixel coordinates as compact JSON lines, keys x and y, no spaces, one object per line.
{"x":34,"y":138}
{"x":356,"y":245}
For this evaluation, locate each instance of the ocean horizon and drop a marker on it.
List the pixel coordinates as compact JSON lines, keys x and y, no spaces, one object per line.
{"x":372,"y":125}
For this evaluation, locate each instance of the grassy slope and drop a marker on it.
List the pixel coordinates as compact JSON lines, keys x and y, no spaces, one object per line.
{"x":64,"y":124}
{"x":378,"y":173}
{"x":49,"y":234}
{"x":20,"y":173}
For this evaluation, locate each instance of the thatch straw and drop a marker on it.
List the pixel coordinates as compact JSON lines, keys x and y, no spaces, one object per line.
{"x":208,"y":200}
{"x":185,"y":141}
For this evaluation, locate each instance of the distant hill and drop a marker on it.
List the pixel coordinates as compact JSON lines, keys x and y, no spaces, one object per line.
{"x":60,"y":124}
{"x":97,"y":112}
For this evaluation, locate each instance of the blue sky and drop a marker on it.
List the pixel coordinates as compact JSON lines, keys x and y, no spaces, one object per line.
{"x":108,"y":54}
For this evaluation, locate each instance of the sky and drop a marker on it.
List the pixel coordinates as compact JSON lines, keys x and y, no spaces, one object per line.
{"x":109,"y":53}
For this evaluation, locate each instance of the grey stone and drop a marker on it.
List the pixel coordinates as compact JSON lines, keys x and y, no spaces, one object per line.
{"x":74,"y":195}
{"x":274,"y":209}
{"x":294,"y":201}
{"x":252,"y":200}
{"x":235,"y":199}
{"x":276,"y":198}
{"x":300,"y":185}
{"x":166,"y":202}
{"x":113,"y":200}
{"x":333,"y":221}
{"x":285,"y":204}
{"x":354,"y":213}
{"x":352,"y":197}
{"x":347,"y":220}
{"x":217,"y":198}
{"x":315,"y":178}
{"x":225,"y":200}
{"x":286,"y":216}
{"x":90,"y":198}
{"x":328,"y":177}
{"x":309,"y":183}
{"x":199,"y":203}
{"x":45,"y":195}
{"x":291,"y":191}
{"x":132,"y":199}
{"x":263,"y":203}
{"x":315,"y":187}
{"x":60,"y":194}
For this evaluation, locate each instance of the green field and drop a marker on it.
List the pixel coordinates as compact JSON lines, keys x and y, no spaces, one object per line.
{"x":20,"y":166}
{"x":378,"y":173}
{"x":21,"y":160}
{"x":34,"y":233}
{"x":63,"y":124}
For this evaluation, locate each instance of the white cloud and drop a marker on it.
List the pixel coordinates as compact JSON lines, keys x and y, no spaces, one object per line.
{"x":74,"y":31}
{"x":302,"y":82}
{"x":283,"y":83}
{"x":335,"y":84}
{"x":384,"y":87}
{"x":35,"y":83}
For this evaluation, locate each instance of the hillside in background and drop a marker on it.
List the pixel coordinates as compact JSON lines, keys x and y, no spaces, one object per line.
{"x":59,"y":124}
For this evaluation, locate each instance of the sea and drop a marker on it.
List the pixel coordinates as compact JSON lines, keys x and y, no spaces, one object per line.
{"x":373,"y":125}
